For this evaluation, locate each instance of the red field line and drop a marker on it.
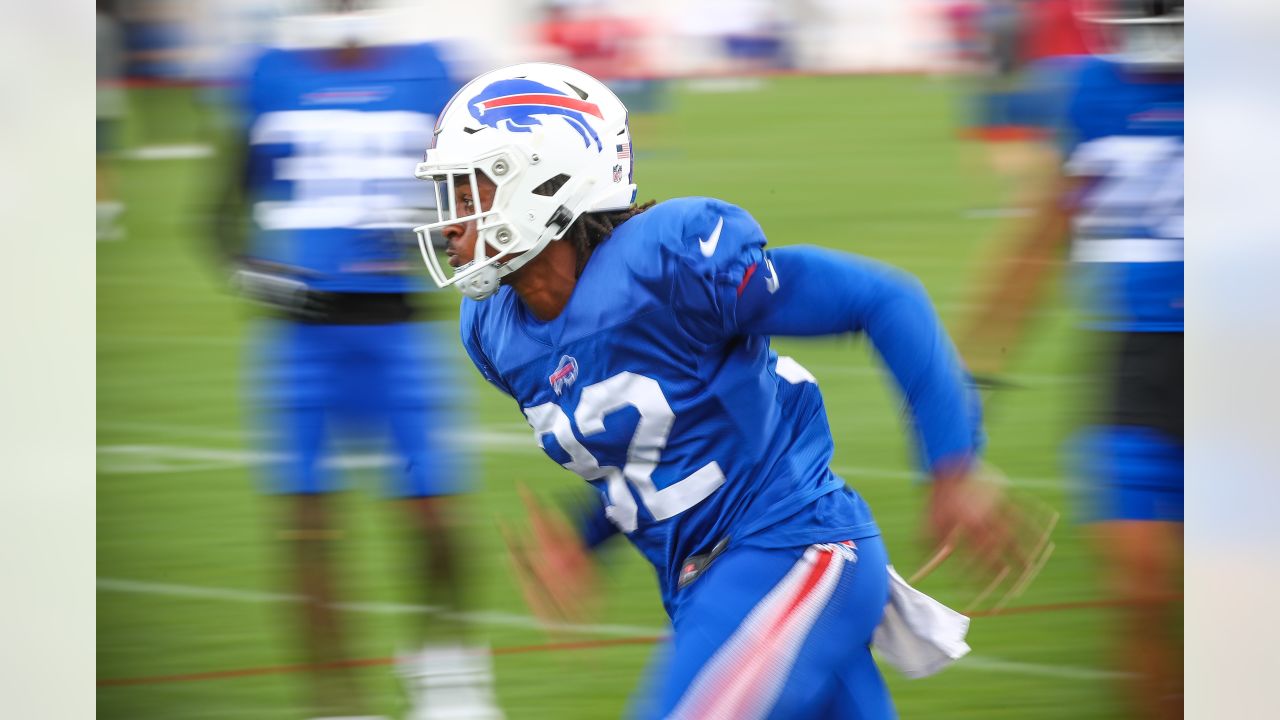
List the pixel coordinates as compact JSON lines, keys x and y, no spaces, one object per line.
{"x":551,"y":647}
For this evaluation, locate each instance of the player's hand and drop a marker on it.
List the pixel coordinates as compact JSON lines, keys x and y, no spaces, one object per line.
{"x":1002,"y":540}
{"x":554,"y":568}
{"x":271,"y":285}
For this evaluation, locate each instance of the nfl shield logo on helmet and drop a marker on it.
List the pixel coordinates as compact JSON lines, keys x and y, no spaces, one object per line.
{"x":566,"y":372}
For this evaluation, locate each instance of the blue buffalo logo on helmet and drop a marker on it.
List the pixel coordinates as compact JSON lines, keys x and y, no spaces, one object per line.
{"x":515,"y":105}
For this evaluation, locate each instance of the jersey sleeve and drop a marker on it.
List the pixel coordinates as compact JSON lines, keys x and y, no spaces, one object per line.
{"x":809,"y":291}
{"x":469,"y":327}
{"x":717,"y":244}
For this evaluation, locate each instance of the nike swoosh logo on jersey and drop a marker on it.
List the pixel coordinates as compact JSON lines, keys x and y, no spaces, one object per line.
{"x":771,"y":282}
{"x":709,"y":245}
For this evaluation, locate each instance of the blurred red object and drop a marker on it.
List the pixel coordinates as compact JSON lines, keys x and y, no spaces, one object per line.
{"x":599,"y":44}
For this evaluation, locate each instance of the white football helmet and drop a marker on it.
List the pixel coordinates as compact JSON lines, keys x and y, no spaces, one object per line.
{"x":522,"y":126}
{"x":1145,"y":34}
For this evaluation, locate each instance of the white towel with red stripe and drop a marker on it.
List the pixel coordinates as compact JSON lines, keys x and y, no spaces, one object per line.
{"x":918,"y":635}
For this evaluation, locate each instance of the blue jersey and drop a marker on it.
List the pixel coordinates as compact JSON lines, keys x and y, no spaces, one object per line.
{"x":691,"y":429}
{"x":1124,"y":142}
{"x":331,"y":156}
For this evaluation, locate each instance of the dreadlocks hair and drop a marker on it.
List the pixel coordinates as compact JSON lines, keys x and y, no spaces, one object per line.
{"x":590,"y":229}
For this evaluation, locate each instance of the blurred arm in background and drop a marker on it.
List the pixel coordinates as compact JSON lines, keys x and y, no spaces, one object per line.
{"x":1016,"y":283}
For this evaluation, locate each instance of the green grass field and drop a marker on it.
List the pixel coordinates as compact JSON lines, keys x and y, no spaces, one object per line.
{"x":190,"y":579}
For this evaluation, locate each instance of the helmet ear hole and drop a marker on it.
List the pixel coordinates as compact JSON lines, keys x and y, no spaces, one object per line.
{"x":551,"y":186}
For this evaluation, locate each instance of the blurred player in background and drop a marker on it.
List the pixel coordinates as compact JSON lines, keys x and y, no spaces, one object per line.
{"x":331,"y":130}
{"x":1021,"y":51}
{"x":1118,"y":204}
{"x":636,"y":341}
{"x":110,"y":110}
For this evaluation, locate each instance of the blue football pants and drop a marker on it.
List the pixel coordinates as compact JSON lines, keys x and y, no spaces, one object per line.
{"x":393,"y":382}
{"x":776,"y":633}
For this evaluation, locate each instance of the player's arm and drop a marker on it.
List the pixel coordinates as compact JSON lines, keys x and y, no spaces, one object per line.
{"x":809,"y":291}
{"x":594,"y":526}
{"x":273,"y":285}
{"x":1010,"y":294}
{"x":228,"y":235}
{"x":1013,"y":291}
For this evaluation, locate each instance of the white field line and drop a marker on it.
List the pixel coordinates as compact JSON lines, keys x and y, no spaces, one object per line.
{"x":176,"y":430}
{"x":155,"y":278}
{"x":145,"y":459}
{"x":1066,"y":672}
{"x":183,"y":151}
{"x":482,"y":617}
{"x":494,"y":618}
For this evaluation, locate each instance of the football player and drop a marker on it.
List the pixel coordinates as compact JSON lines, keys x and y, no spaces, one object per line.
{"x":635,"y":340}
{"x":1117,"y":206}
{"x":330,"y":126}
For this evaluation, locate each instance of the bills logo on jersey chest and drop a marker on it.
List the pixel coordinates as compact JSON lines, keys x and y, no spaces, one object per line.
{"x":565,"y":374}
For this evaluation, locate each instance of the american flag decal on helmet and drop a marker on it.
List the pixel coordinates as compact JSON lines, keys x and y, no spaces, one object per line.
{"x":566,"y":372}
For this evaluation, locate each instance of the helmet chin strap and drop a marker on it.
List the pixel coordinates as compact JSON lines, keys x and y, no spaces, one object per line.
{"x":484,"y":282}
{"x":480,"y":284}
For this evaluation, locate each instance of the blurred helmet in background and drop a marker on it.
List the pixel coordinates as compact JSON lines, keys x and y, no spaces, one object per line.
{"x":333,"y":24}
{"x":1143,"y":33}
{"x":556,"y":143}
